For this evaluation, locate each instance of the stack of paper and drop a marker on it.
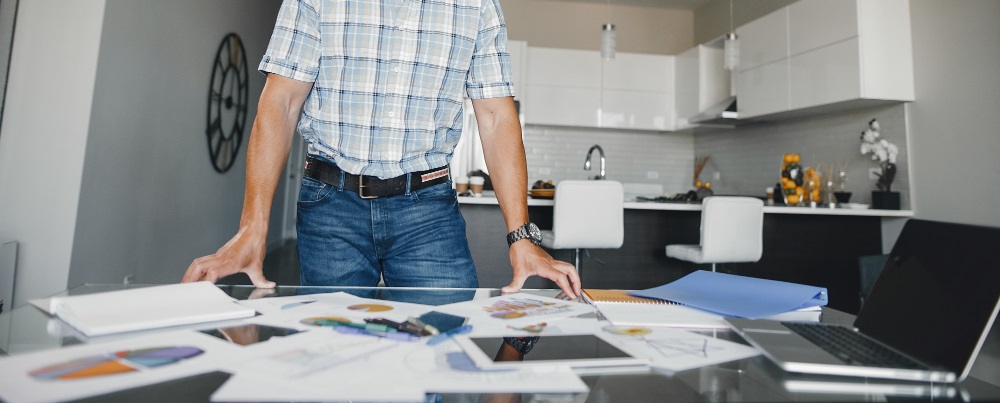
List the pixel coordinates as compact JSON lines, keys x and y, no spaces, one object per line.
{"x":145,"y":308}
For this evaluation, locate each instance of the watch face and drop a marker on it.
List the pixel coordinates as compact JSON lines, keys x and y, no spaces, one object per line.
{"x":534,"y":233}
{"x":227,"y":103}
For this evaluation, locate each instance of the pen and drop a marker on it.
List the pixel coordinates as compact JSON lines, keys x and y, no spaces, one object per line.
{"x":398,"y":336}
{"x":400,"y":326}
{"x":426,"y":329}
{"x":447,"y":335}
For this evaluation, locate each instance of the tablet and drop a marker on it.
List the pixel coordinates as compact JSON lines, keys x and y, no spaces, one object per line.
{"x":575,"y":351}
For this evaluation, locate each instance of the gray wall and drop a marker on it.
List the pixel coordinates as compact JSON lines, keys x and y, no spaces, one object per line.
{"x":43,"y":137}
{"x":955,"y":121}
{"x":150,"y":201}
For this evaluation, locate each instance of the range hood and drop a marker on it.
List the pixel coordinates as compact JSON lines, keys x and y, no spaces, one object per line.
{"x":721,"y":113}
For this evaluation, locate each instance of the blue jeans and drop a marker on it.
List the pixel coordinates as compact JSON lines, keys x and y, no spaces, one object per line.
{"x":415,"y":239}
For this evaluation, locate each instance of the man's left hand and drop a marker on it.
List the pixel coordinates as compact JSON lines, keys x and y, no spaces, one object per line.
{"x":528,"y":260}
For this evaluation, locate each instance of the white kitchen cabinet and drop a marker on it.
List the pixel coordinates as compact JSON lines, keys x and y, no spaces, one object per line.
{"x":518,"y":66}
{"x":578,"y":88}
{"x":564,"y":87}
{"x":700,"y":81}
{"x":816,"y":23}
{"x":764,"y":40}
{"x":562,"y":106}
{"x":763,"y":90}
{"x":639,"y":110}
{"x":825,"y":76}
{"x":553,"y":67}
{"x":840,"y":53}
{"x":636,"y":92}
{"x":637,"y":72}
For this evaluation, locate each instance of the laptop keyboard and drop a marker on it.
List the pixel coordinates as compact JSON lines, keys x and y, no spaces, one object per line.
{"x":851,"y":347}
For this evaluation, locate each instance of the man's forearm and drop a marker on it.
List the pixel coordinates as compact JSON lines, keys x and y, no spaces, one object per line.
{"x":267,"y":152}
{"x":500,"y":132}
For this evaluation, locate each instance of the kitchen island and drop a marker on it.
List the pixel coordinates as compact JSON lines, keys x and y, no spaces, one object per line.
{"x":815,"y":246}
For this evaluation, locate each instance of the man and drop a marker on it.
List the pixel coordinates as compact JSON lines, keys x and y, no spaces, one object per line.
{"x":379,"y":88}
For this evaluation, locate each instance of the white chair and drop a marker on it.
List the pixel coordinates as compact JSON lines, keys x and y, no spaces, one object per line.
{"x":588,"y":214}
{"x":731,"y":231}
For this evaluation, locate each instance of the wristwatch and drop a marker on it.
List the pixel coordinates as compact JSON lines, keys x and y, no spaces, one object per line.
{"x":528,"y":230}
{"x":522,"y":344}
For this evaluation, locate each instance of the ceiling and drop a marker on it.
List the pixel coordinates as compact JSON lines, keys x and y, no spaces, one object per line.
{"x":672,"y":4}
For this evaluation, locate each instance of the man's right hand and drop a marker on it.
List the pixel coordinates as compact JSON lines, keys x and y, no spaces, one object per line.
{"x":244,"y":253}
{"x":270,"y":139}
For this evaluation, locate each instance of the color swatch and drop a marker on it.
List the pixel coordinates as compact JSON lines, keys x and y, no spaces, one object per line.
{"x":370,"y":307}
{"x":115,"y":363}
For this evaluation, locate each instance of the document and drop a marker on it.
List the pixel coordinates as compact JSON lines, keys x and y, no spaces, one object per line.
{"x":676,"y":350}
{"x":518,"y":309}
{"x":94,"y":369}
{"x":737,"y":296}
{"x":145,"y":308}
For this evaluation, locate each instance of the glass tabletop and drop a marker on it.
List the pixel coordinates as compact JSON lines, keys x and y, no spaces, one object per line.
{"x":755,"y":379}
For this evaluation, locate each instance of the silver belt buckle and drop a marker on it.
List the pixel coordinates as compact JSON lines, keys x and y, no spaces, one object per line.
{"x":361,"y":188}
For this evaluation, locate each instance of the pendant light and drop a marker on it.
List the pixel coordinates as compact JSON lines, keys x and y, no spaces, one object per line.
{"x":608,"y":38}
{"x":731,"y":51}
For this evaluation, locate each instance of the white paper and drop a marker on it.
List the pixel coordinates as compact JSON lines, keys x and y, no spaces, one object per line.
{"x":516,"y":309}
{"x":146,"y":308}
{"x":277,"y":304}
{"x":344,"y":306}
{"x":660,"y":315}
{"x":18,"y":385}
{"x":446,"y":369}
{"x":677,"y":350}
{"x":318,"y":365}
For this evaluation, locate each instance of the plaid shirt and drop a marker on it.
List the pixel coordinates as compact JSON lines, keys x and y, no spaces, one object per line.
{"x":389,"y":77}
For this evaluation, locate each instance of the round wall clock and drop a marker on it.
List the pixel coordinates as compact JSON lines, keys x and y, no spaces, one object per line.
{"x":227,"y":103}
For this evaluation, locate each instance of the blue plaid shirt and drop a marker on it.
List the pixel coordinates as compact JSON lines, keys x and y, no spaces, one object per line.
{"x":389,"y":76}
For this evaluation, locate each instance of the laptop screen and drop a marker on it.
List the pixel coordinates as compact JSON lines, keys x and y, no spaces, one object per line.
{"x":937,"y":294}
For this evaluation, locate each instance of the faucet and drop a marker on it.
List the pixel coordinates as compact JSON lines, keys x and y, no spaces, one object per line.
{"x":586,"y":164}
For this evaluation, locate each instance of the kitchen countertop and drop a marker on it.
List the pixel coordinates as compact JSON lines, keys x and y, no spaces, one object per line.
{"x":488,"y":199}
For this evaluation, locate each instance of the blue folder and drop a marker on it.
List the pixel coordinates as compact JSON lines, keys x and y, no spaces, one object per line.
{"x":737,"y":296}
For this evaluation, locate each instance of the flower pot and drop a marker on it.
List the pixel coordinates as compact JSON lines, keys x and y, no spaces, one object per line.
{"x":885,"y":200}
{"x":842,"y":197}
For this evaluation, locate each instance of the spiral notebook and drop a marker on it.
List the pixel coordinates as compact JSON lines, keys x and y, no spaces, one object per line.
{"x":622,"y":309}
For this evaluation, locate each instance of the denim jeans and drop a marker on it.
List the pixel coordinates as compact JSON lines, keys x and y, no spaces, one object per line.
{"x":415,"y":239}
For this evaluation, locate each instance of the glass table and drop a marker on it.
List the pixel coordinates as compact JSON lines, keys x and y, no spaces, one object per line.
{"x":756,"y":379}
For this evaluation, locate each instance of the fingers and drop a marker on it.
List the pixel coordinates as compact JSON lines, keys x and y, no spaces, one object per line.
{"x":514,"y":285}
{"x":257,"y":277}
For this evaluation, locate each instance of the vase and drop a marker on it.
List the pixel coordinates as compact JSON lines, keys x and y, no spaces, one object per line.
{"x":885,"y":200}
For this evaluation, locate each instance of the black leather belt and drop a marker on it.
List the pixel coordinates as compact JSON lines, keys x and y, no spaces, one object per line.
{"x":370,"y":187}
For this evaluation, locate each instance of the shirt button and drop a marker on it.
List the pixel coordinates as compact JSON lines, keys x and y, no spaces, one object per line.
{"x":392,"y":114}
{"x":396,"y":69}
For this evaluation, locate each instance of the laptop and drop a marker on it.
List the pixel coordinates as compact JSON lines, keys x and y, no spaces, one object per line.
{"x":925,"y":319}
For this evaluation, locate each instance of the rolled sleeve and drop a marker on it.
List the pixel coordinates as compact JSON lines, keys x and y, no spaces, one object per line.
{"x":295,"y":47}
{"x":490,"y":72}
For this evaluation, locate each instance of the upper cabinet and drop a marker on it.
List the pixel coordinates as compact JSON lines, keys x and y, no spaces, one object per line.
{"x":700,"y":82}
{"x":838,"y":53}
{"x":577,"y":88}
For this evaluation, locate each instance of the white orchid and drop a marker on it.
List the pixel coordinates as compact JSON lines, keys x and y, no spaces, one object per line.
{"x":882,"y":151}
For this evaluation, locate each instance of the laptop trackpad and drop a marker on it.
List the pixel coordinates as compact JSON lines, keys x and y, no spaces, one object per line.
{"x":786,"y":346}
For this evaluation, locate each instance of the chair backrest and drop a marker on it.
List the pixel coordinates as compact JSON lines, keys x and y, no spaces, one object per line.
{"x":731,"y":229}
{"x":588,"y":214}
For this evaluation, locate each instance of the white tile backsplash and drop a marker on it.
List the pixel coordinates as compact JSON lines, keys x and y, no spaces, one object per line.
{"x":749,"y":156}
{"x":746,"y":159}
{"x":630,"y":155}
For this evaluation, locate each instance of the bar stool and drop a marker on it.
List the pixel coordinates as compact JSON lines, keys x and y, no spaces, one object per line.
{"x":731,"y":231}
{"x":588,"y":214}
